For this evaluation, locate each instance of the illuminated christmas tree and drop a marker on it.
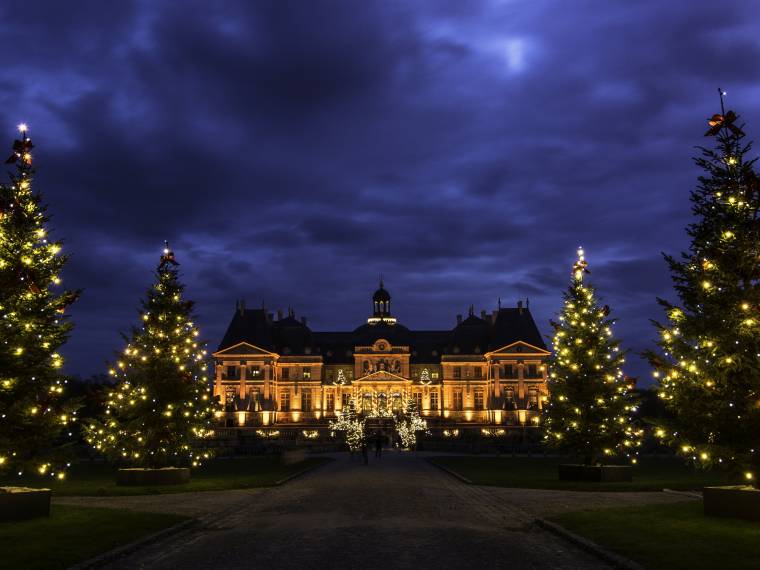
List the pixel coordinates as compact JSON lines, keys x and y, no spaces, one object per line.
{"x":590,"y":403}
{"x":160,"y":408}
{"x":348,"y":422}
{"x":409,"y":424}
{"x":34,"y":416}
{"x":709,"y":368}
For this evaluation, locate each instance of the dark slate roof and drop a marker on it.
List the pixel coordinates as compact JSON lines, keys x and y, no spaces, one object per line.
{"x":471,"y":336}
{"x":514,"y":325}
{"x":290,"y":336}
{"x":249,"y":325}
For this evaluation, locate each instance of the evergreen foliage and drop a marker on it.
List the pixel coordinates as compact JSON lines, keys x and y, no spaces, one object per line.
{"x":34,"y":414}
{"x":160,"y":407}
{"x":590,"y":406}
{"x":708,"y":368}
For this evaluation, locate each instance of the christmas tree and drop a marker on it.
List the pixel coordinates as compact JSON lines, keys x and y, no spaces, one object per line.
{"x":590,"y":403}
{"x":409,"y":424}
{"x":34,"y":417}
{"x":348,"y":422}
{"x":160,"y":407}
{"x":709,"y":366}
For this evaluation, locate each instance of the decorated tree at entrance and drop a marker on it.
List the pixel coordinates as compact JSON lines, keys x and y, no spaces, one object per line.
{"x":590,"y":404}
{"x":348,"y":422}
{"x":709,"y":366}
{"x":409,"y":424}
{"x":160,"y":407}
{"x":34,"y":418}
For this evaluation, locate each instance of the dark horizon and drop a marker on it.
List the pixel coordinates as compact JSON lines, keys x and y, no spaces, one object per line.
{"x":292,"y":155}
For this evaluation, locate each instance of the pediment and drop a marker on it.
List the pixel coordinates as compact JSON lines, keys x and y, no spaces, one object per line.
{"x":519,"y":348}
{"x":382,"y":376}
{"x":243,"y":349}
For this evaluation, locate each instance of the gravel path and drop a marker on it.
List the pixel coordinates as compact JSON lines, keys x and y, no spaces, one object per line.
{"x":399,"y":512}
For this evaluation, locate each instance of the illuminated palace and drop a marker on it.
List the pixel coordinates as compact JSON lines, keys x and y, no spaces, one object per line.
{"x":488,"y":371}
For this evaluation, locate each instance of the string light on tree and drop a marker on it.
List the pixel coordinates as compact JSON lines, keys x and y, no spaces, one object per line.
{"x":160,"y":408}
{"x":348,"y":422}
{"x":35,"y":418}
{"x":590,"y":406}
{"x":707,"y":367}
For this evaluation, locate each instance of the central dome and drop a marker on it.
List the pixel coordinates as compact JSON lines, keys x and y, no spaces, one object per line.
{"x":381,"y":306}
{"x":381,"y":295}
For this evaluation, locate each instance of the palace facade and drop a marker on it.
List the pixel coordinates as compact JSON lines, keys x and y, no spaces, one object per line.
{"x":487,"y":372}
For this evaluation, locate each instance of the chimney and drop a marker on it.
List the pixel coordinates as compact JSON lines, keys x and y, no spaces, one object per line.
{"x":483,"y":314}
{"x":519,"y":306}
{"x":303,"y":321}
{"x":459,"y":319}
{"x":279,"y":314}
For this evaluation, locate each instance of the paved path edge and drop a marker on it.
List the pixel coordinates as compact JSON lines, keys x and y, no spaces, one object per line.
{"x":589,"y":546}
{"x":121,"y":551}
{"x":301,"y":472}
{"x":450,"y":472}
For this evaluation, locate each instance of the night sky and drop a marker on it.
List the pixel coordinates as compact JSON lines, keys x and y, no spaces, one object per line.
{"x":293,"y":151}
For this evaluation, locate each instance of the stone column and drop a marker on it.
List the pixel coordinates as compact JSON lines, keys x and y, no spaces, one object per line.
{"x":243,"y":374}
{"x":218,"y":388}
{"x":520,"y":380}
{"x":268,"y":369}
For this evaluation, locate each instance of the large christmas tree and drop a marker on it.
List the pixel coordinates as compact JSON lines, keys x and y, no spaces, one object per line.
{"x":409,"y":423}
{"x":590,"y":403}
{"x":160,"y":408}
{"x":34,"y":415}
{"x":348,"y":421}
{"x":709,"y":368}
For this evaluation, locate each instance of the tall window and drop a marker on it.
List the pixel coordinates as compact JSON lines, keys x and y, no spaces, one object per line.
{"x":458,"y":400}
{"x":254,"y":371}
{"x":330,"y":403}
{"x":307,"y":373}
{"x":305,"y":400}
{"x":233,"y":373}
{"x":478,"y":371}
{"x":433,"y":400}
{"x":417,"y":400}
{"x":286,"y":373}
{"x":285,"y":400}
{"x":344,"y":399}
{"x":229,"y":397}
{"x":531,"y":371}
{"x":457,"y":372}
{"x":508,"y":371}
{"x":478,"y":398}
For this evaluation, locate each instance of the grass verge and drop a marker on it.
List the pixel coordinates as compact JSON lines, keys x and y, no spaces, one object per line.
{"x":650,"y":474}
{"x":669,"y":536}
{"x":74,"y":534}
{"x":99,"y":478}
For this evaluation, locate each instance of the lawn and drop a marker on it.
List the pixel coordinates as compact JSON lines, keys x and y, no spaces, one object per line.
{"x":670,"y":536}
{"x":651,"y":474}
{"x":99,"y":478}
{"x":74,"y":534}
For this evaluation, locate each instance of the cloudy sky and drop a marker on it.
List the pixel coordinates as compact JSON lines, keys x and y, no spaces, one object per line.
{"x":292,"y":151}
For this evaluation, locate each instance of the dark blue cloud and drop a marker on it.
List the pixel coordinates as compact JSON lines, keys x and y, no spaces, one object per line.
{"x":292,"y":152}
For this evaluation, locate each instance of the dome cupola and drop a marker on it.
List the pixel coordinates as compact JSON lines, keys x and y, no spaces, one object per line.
{"x":381,"y":306}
